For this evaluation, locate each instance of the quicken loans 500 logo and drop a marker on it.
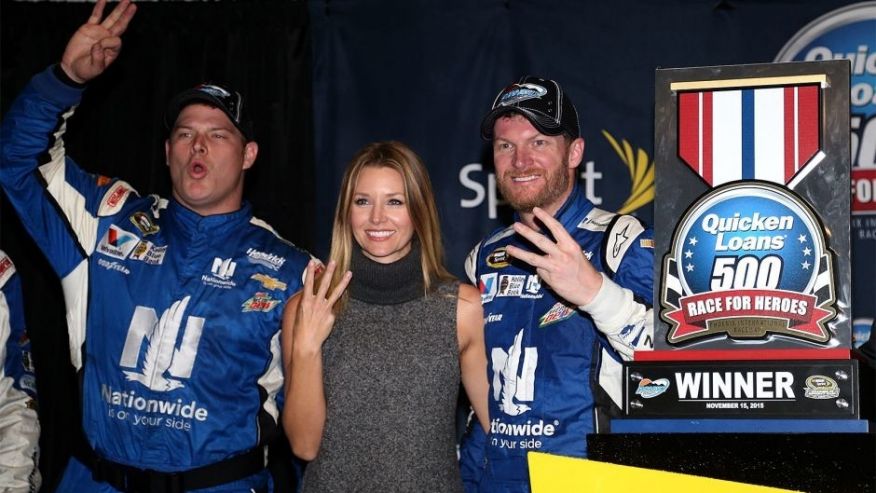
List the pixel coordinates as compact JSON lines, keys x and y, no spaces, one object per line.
{"x":748,"y":260}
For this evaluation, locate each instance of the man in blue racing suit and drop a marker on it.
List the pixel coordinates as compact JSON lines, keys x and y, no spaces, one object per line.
{"x":174,"y":306}
{"x":566,"y":291}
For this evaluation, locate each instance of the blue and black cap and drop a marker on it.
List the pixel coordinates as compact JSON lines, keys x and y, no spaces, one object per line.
{"x":219,"y":96}
{"x":541,"y":101}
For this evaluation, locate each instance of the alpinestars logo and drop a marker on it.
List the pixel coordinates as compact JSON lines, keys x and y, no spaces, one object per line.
{"x":513,"y":379}
{"x":164,"y":364}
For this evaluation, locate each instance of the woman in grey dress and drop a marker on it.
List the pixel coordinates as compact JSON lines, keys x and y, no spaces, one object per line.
{"x":381,"y":340}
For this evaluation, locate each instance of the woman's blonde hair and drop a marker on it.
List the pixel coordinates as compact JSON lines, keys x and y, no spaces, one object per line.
{"x":419,"y":200}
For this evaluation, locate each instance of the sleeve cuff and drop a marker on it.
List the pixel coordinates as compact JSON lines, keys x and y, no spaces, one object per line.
{"x":611,"y":307}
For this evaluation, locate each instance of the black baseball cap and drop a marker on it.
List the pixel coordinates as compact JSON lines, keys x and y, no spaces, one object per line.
{"x":541,"y":101}
{"x":220,"y":96}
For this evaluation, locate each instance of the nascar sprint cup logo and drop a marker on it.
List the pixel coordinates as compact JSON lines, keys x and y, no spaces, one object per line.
{"x":748,"y":261}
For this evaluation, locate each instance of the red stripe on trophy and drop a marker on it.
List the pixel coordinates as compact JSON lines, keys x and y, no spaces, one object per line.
{"x":791,"y":164}
{"x":807,"y":123}
{"x":707,"y":137}
{"x":689,"y":129}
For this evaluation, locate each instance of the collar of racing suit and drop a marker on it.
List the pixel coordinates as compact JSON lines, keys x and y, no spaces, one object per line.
{"x":193,"y":223}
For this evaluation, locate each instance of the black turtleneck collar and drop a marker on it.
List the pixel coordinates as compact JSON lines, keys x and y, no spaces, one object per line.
{"x":387,"y":284}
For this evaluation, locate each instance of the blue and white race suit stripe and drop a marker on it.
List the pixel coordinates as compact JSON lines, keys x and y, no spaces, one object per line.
{"x":173,"y":318}
{"x":554,"y":368}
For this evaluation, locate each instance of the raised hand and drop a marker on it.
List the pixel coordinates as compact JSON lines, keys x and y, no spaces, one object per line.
{"x":96,"y":44}
{"x":314,"y":318}
{"x":563,"y":266}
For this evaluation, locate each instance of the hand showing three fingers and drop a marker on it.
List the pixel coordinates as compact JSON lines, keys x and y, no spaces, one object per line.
{"x":562,"y":265}
{"x":314,"y":319}
{"x":96,"y":44}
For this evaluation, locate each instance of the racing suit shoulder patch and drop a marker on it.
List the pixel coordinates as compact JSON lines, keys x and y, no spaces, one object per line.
{"x":115,"y":198}
{"x":596,"y":220}
{"x":7,"y":268}
{"x":620,"y":235}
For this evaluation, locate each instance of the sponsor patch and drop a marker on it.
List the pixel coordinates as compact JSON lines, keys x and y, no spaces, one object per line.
{"x":114,"y":198}
{"x":522,"y":92}
{"x":511,"y":285}
{"x":652,"y":388}
{"x":533,"y":284}
{"x":144,"y":223}
{"x":7,"y":269}
{"x":117,"y":242}
{"x":557,"y":313}
{"x":146,"y":251}
{"x":114,"y":265}
{"x":498,"y":258}
{"x":269,"y":260}
{"x":269,"y":282}
{"x":221,"y":273}
{"x":487,"y":286}
{"x":646,"y":243}
{"x":102,"y":180}
{"x":821,"y":387}
{"x":260,"y":302}
{"x":492,"y":317}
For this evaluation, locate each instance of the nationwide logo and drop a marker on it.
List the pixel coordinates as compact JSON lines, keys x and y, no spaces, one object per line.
{"x":498,"y":258}
{"x":748,"y":259}
{"x":652,"y":388}
{"x":170,"y":356}
{"x":260,"y":302}
{"x":117,"y":242}
{"x":269,"y":282}
{"x":129,"y":400}
{"x":514,"y":376}
{"x":222,"y":271}
{"x":557,"y":313}
{"x":146,"y":251}
{"x":144,"y":223}
{"x":821,"y":387}
{"x":269,"y":260}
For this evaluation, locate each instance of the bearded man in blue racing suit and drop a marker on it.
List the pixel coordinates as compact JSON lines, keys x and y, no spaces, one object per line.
{"x":566,"y":291}
{"x":174,"y":307}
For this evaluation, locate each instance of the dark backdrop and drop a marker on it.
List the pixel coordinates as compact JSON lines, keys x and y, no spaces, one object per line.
{"x":261,"y":48}
{"x":421,"y":71}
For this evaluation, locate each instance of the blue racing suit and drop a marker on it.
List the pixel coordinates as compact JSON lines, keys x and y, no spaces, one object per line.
{"x":555,"y":368}
{"x":19,"y":426}
{"x":173,"y":318}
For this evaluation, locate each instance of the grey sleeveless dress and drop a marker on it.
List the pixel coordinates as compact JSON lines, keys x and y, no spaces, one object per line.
{"x":391,"y":376}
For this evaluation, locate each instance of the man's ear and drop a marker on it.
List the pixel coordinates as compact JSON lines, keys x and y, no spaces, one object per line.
{"x":576,"y":152}
{"x":250,"y":152}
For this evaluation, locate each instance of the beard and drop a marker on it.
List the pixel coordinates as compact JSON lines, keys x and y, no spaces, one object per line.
{"x":557,"y":183}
